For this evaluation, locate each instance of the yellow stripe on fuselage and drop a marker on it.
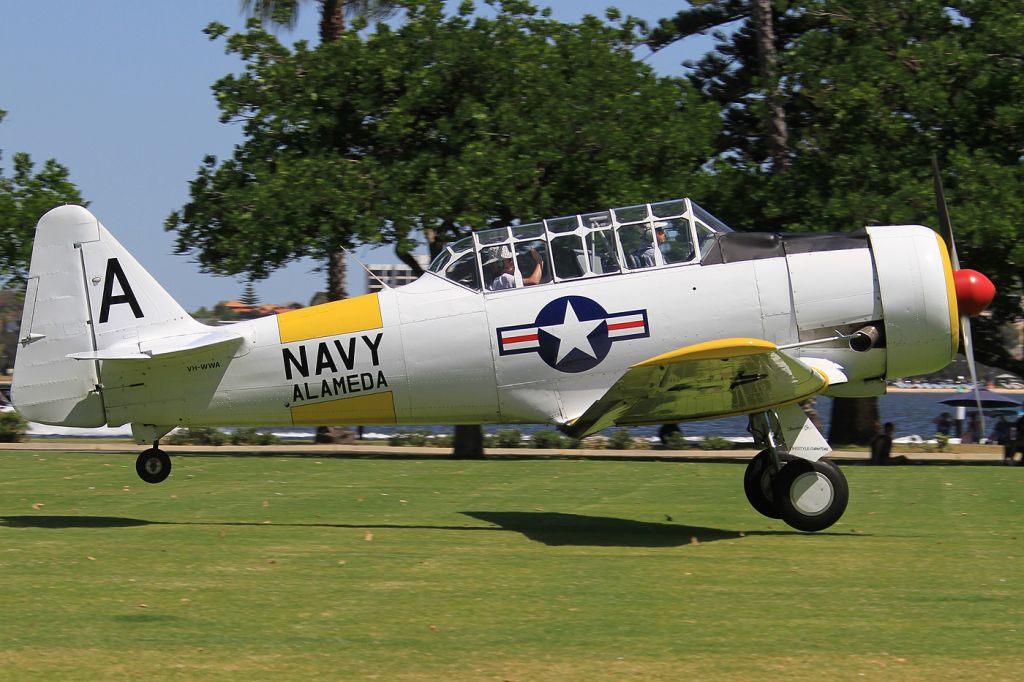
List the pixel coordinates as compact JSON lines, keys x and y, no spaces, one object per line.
{"x":954,"y":314}
{"x":376,"y":408}
{"x":330,"y":319}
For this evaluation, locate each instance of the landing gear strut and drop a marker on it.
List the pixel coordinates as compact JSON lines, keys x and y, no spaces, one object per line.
{"x":809,"y":496}
{"x":153,"y":465}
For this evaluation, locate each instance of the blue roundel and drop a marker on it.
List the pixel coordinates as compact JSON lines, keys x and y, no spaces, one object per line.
{"x":573,"y":334}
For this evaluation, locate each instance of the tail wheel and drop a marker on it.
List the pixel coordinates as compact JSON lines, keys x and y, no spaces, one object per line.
{"x":759,"y":483}
{"x":811,"y":496}
{"x":153,"y":465}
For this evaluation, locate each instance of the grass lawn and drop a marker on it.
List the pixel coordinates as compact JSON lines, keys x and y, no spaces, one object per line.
{"x":292,"y":568}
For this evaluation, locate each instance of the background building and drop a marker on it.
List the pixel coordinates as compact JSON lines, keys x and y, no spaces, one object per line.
{"x":392,"y":274}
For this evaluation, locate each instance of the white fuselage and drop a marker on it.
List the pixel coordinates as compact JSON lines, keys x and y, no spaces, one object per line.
{"x":432,"y":352}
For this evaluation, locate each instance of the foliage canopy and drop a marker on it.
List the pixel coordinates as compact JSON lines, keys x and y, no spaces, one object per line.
{"x":25,"y":195}
{"x":871,"y":89}
{"x":444,"y":124}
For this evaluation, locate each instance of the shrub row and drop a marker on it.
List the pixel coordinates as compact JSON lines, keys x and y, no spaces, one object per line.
{"x":548,"y":439}
{"x":12,"y":427}
{"x":204,"y":435}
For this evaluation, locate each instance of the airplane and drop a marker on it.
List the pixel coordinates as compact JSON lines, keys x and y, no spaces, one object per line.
{"x":646,"y":314}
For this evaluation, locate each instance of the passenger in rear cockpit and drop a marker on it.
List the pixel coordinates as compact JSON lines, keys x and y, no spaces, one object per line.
{"x":645,"y":254}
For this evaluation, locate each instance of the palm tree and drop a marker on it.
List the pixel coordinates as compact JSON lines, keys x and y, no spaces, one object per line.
{"x":332,"y":13}
{"x":332,"y":25}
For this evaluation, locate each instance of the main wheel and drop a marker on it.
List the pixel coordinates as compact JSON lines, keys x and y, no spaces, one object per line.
{"x":811,"y":495}
{"x":153,"y":465}
{"x":759,"y":483}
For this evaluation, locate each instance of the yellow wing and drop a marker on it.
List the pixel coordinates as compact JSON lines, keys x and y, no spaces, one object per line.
{"x":712,"y":379}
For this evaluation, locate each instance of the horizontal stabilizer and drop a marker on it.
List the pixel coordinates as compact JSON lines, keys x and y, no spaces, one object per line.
{"x":163,"y":348}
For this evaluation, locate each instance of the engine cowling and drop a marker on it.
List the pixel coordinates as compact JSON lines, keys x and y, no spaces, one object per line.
{"x":919,"y":299}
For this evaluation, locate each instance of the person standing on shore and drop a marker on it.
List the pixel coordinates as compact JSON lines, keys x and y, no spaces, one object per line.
{"x":881,"y":445}
{"x":1015,"y":442}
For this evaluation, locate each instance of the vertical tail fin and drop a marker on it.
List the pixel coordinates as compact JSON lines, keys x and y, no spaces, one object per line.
{"x":85,"y":293}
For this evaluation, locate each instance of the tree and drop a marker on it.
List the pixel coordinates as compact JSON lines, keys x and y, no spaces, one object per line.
{"x":249,"y":296}
{"x":332,"y":25}
{"x":755,"y":39}
{"x":446,"y":124}
{"x":703,"y":16}
{"x":25,"y":196}
{"x":332,"y":13}
{"x":877,"y":88}
{"x":871,"y":89}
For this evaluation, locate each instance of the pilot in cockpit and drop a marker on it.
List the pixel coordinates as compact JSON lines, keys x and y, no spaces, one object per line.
{"x":506,"y":277}
{"x":645,"y":254}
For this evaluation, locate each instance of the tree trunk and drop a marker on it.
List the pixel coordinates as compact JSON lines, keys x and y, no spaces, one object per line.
{"x":854,"y":421}
{"x":468,"y":442}
{"x":778,"y":136}
{"x":410,"y":260}
{"x":335,"y":292}
{"x":332,"y":20}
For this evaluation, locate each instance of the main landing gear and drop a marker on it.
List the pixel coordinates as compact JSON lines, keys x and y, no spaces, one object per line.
{"x":809,"y":496}
{"x":153,"y":465}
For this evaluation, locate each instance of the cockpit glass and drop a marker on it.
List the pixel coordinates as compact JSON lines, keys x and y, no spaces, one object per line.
{"x":715,"y":224}
{"x":464,"y":271}
{"x":462,"y":245}
{"x":601,"y":252}
{"x":528,"y":231}
{"x":630,"y":238}
{"x":631,"y":214}
{"x":568,"y":256}
{"x":593,"y":221}
{"x":674,"y":240}
{"x":493,"y":236}
{"x":638,"y":245}
{"x":567,"y":224}
{"x":669,"y":209}
{"x":705,"y":238}
{"x":441,"y":260}
{"x":529,"y":255}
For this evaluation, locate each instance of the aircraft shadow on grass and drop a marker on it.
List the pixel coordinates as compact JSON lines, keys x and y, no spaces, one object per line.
{"x":556,"y":528}
{"x":550,"y":528}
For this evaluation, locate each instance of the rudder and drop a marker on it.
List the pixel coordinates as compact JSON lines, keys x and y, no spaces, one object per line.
{"x":85,"y":293}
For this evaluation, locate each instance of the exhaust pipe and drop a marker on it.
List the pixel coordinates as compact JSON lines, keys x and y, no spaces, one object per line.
{"x":865,"y":338}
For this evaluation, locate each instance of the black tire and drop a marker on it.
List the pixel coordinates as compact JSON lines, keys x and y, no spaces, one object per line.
{"x":811,"y":495}
{"x":759,"y":485}
{"x":153,"y":465}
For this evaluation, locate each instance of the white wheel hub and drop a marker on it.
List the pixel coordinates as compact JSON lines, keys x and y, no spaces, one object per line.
{"x":811,"y":493}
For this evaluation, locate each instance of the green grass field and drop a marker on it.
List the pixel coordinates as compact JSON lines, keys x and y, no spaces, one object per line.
{"x":291,"y":568}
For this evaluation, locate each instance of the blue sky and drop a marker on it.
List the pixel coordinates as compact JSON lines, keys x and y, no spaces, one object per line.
{"x":119,"y":92}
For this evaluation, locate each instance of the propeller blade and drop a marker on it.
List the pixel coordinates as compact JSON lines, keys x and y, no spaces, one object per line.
{"x":965,"y":326}
{"x":945,"y":226}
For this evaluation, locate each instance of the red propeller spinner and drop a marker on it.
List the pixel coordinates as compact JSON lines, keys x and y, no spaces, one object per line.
{"x":974,"y":291}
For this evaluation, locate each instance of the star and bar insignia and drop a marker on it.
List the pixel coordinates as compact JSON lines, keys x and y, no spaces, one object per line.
{"x":573,"y":333}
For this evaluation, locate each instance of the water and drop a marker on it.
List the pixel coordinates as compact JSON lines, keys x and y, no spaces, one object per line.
{"x":911,"y":414}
